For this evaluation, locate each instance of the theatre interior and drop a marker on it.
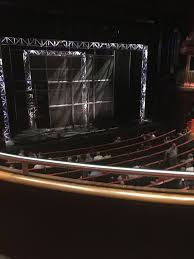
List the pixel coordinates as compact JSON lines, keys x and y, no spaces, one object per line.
{"x":96,"y":130}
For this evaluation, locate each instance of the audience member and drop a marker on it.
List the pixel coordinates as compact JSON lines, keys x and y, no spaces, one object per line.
{"x":88,"y":158}
{"x":107,"y":156}
{"x":33,"y":155}
{"x":95,"y":173}
{"x":137,"y":166}
{"x":186,"y":130}
{"x":189,"y":157}
{"x":78,"y":159}
{"x":40,"y":155}
{"x":171,"y":155}
{"x":39,"y":167}
{"x":121,"y":178}
{"x":69,"y":159}
{"x":117,"y":140}
{"x":166,"y":140}
{"x":98,"y":157}
{"x":189,"y":167}
{"x":21,"y":153}
{"x":153,"y":136}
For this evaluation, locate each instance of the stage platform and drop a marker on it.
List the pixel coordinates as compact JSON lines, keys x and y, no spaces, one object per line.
{"x":41,"y":135}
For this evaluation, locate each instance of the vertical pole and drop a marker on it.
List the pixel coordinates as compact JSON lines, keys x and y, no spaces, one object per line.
{"x":6,"y":130}
{"x":25,"y":168}
{"x":94,"y":86}
{"x":2,"y":138}
{"x":29,"y":90}
{"x":113,"y":85}
{"x":84,"y":90}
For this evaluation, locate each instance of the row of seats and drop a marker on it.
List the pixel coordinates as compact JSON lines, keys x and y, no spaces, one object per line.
{"x":153,"y":152}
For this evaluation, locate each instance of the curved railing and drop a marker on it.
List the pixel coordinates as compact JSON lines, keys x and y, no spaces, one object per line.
{"x":144,"y":194}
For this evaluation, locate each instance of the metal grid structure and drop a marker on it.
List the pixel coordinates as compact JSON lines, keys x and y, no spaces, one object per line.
{"x":143,"y":82}
{"x":31,"y":106}
{"x":68,"y":44}
{"x":44,"y":43}
{"x":4,"y":102}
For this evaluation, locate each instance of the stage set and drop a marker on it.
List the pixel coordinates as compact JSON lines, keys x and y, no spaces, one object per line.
{"x":51,"y":85}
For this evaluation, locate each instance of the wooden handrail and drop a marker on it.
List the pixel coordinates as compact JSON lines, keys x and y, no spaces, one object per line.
{"x":140,"y":194}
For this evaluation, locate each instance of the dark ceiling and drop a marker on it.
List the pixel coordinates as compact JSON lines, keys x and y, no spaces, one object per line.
{"x":120,"y":9}
{"x":56,"y":17}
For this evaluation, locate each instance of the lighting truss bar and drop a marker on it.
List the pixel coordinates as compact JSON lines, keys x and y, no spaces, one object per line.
{"x":68,"y":44}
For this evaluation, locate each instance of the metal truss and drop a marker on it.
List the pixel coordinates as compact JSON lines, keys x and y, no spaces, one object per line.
{"x":31,"y":105}
{"x":143,"y":82}
{"x":68,"y":44}
{"x":6,"y":131}
{"x":84,"y":90}
{"x":42,"y":43}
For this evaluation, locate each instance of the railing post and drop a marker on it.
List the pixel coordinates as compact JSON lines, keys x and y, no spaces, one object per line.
{"x":25,"y":168}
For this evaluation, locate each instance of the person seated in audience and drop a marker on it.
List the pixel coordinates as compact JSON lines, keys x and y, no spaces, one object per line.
{"x":137,"y":166}
{"x":153,"y":136}
{"x":69,"y":159}
{"x":180,"y":134}
{"x":33,"y":155}
{"x":186,"y":130}
{"x":189,"y":157}
{"x":189,"y":167}
{"x":95,"y":173}
{"x":88,"y":158}
{"x":39,"y":155}
{"x":117,"y":140}
{"x":183,"y":169}
{"x":166,"y":140}
{"x":121,"y":178}
{"x":21,"y":153}
{"x":171,"y":155}
{"x":107,"y":156}
{"x":98,"y":157}
{"x":39,"y":166}
{"x":78,"y":159}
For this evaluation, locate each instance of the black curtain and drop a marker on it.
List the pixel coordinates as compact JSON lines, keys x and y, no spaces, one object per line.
{"x":15,"y":88}
{"x":127,"y":86}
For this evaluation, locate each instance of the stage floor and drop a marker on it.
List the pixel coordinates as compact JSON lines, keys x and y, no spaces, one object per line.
{"x":51,"y":137}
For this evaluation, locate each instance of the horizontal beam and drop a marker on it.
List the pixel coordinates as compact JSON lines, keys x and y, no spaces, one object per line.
{"x":28,"y":42}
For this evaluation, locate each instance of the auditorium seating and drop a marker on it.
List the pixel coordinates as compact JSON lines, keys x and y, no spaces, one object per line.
{"x":138,"y":159}
{"x":122,"y":147}
{"x":128,"y":153}
{"x":152,"y":155}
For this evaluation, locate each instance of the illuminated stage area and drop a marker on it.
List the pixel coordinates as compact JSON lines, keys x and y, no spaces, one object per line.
{"x":53,"y":84}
